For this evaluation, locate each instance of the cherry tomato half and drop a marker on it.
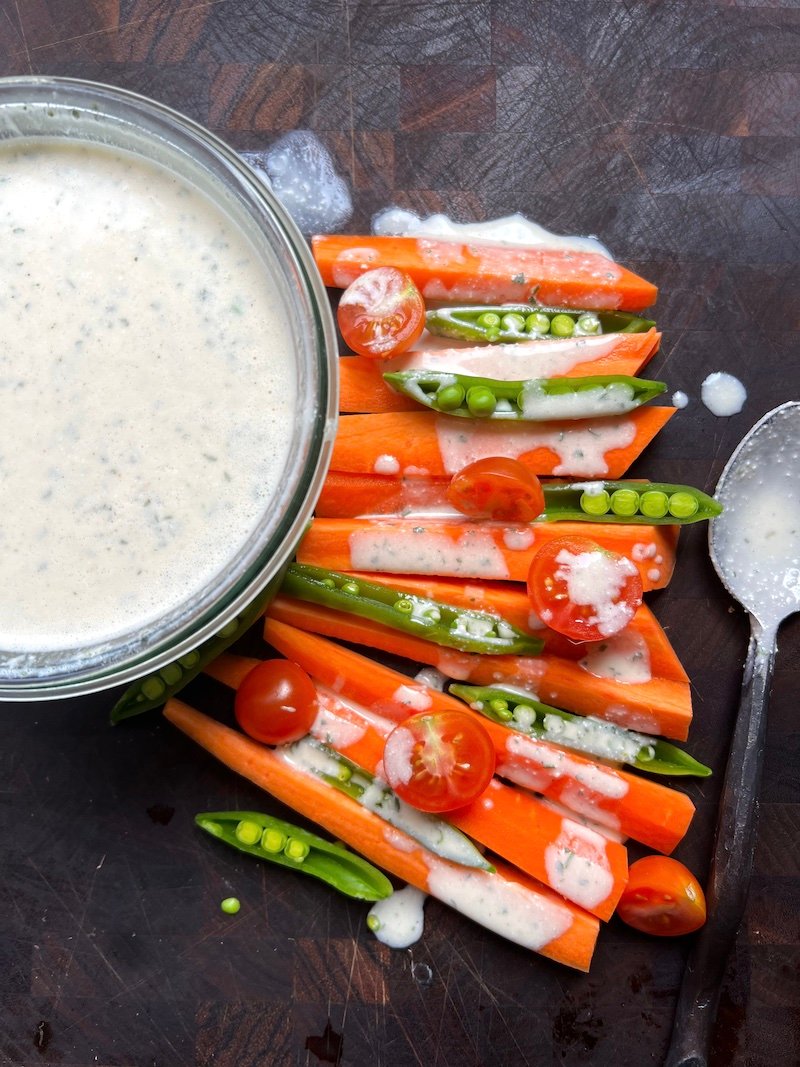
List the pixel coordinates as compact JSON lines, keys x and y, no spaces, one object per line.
{"x":381,"y":313}
{"x":662,"y":897}
{"x":582,"y":590}
{"x":276,"y":703}
{"x":440,"y":760}
{"x":497,"y":488}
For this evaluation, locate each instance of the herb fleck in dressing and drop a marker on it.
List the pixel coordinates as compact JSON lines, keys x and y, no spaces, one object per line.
{"x":146,"y":390}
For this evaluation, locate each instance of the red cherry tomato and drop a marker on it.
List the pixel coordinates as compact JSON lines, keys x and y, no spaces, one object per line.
{"x":440,"y":760}
{"x":497,"y":488}
{"x":382,"y":313}
{"x":276,"y":703}
{"x":662,"y":897}
{"x":582,"y":590}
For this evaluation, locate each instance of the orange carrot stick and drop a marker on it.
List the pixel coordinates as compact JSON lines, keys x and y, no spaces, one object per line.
{"x":660,"y":706}
{"x":510,"y":601}
{"x":348,"y":496}
{"x":423,"y":443}
{"x":509,"y":822}
{"x":485,"y":273}
{"x":640,"y":808}
{"x":511,"y":904}
{"x":362,"y":388}
{"x":469,"y":549}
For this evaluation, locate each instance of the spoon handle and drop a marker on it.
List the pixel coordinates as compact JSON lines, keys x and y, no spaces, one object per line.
{"x":732,"y":863}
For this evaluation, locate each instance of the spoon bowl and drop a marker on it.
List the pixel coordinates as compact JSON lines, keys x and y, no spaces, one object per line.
{"x":755,"y":550}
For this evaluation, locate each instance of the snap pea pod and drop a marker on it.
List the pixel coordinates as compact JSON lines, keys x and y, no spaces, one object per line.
{"x":280,"y":842}
{"x":531,"y":400}
{"x":376,"y":796}
{"x":155,"y":689}
{"x":529,"y":322}
{"x":464,"y":629}
{"x":583,"y":733}
{"x":653,"y":503}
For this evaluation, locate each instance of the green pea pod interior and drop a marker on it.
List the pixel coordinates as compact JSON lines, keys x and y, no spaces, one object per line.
{"x":465,"y":323}
{"x":653,"y":503}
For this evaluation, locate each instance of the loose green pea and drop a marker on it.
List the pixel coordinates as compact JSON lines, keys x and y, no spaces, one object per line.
{"x":296,"y":850}
{"x":624,"y":502}
{"x":595,"y":503}
{"x":273,"y":841}
{"x":513,"y":321}
{"x":682,"y":505}
{"x":562,"y":326}
{"x":248,"y":832}
{"x":374,"y":923}
{"x":230,"y":905}
{"x":654,"y":504}
{"x":481,"y":401}
{"x":589,"y":324}
{"x":489,"y":318}
{"x":538,"y":322}
{"x":450,"y":397}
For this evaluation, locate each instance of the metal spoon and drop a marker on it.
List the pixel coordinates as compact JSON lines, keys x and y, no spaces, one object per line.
{"x":755,"y":549}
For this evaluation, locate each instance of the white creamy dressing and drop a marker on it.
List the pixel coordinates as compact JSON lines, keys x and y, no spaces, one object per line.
{"x":508,"y":908}
{"x":419,"y":550}
{"x":386,"y":464}
{"x":301,"y":173}
{"x":553,"y":763}
{"x":518,"y":538}
{"x":577,"y":865}
{"x":399,"y":920}
{"x":398,"y":756}
{"x":508,"y":362}
{"x":588,"y":814}
{"x":595,"y":737}
{"x":414,"y":697}
{"x":679,"y":399}
{"x":595,"y":580}
{"x":136,"y":452}
{"x":616,"y":398}
{"x":431,"y":678}
{"x":624,"y":657}
{"x":723,"y":394}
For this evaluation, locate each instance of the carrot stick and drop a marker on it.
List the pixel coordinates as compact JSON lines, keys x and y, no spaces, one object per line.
{"x":428,"y":444}
{"x":640,"y":808}
{"x":362,"y":388}
{"x":348,"y":496}
{"x":485,"y":273}
{"x":510,"y":601}
{"x":512,"y":905}
{"x":469,"y":549}
{"x":660,"y":706}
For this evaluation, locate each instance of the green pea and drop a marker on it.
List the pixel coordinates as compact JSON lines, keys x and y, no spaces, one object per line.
{"x":489,"y":318}
{"x":329,"y":583}
{"x":505,"y":714}
{"x":172,"y":673}
{"x":589,"y":324}
{"x":682,"y":505}
{"x":538,"y":322}
{"x":481,"y":401}
{"x":191,"y":659}
{"x":404,"y":606}
{"x":230,"y":905}
{"x":562,"y":326}
{"x":153,"y":687}
{"x":374,"y":923}
{"x":498,"y":705}
{"x":230,"y":630}
{"x":595,"y":503}
{"x":296,"y":849}
{"x":450,"y":397}
{"x":248,"y":833}
{"x":654,"y":504}
{"x":350,"y":587}
{"x":624,"y":502}
{"x":646,"y":753}
{"x":273,"y":841}
{"x":514,"y":321}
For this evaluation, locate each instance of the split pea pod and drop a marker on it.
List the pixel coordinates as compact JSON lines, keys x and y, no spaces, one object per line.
{"x":443,"y":624}
{"x":528,"y":322}
{"x":531,"y":400}
{"x":280,"y":842}
{"x":582,"y":733}
{"x":652,"y":503}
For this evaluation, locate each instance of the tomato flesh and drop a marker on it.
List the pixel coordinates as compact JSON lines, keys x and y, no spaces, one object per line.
{"x":276,"y":703}
{"x":497,"y":487}
{"x":662,"y":897}
{"x":439,"y":761}
{"x":583,"y":591}
{"x":381,"y":314}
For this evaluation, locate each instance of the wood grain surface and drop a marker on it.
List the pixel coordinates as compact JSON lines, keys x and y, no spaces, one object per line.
{"x":669,"y":128}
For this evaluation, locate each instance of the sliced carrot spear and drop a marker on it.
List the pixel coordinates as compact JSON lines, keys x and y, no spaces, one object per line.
{"x":422,"y":443}
{"x":660,"y":706}
{"x":468,"y":549}
{"x":506,"y":902}
{"x":640,"y":808}
{"x":484,"y":273}
{"x":363,"y":389}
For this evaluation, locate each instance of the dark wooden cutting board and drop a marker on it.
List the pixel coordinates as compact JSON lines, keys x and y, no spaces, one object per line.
{"x":669,"y":128}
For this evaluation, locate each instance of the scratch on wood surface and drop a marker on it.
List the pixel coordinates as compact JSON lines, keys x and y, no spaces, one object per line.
{"x":22,"y":34}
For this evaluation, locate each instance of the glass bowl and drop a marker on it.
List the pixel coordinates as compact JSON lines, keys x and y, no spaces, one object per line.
{"x":49,"y":653}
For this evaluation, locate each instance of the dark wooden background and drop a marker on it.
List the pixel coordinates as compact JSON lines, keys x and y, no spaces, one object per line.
{"x":669,"y":128}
